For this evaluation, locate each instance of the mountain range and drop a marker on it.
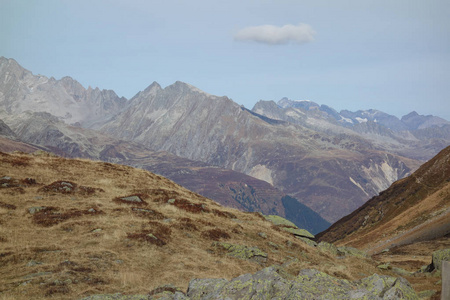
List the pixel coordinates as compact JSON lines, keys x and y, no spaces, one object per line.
{"x":331,"y":162}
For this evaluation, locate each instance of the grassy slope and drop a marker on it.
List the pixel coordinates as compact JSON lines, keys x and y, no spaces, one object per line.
{"x":87,"y":242}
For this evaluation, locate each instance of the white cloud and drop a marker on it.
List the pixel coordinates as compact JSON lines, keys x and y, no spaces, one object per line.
{"x":273,"y":35}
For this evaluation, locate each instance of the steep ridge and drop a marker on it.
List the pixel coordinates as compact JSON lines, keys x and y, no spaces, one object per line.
{"x":413,"y":209}
{"x":76,"y":228}
{"x":227,"y":187}
{"x":66,"y":99}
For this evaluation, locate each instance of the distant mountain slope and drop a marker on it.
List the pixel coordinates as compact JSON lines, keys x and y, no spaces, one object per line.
{"x":413,"y":209}
{"x":5,"y":131}
{"x":232,"y":189}
{"x":414,"y":136}
{"x":412,"y":121}
{"x":319,"y":169}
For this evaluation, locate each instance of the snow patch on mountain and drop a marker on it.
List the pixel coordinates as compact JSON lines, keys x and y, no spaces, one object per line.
{"x":361,"y":120}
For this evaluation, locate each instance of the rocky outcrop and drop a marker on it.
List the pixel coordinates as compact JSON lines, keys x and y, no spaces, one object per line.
{"x":309,"y":284}
{"x":437,"y":258}
{"x":289,"y":226}
{"x":272,"y":283}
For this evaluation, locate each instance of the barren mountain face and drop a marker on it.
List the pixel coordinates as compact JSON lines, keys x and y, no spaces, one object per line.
{"x":331,"y":174}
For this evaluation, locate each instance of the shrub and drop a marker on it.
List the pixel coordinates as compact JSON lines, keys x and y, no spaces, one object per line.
{"x":189,"y":206}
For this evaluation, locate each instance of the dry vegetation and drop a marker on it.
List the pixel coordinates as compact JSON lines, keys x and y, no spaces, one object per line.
{"x":72,"y":228}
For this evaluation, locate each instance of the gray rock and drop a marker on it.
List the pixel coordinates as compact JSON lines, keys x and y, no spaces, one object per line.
{"x":33,"y":263}
{"x":35,"y":209}
{"x":242,"y":251}
{"x":132,"y":199}
{"x":437,"y":258}
{"x":263,"y":235}
{"x":307,"y":241}
{"x":270,"y":283}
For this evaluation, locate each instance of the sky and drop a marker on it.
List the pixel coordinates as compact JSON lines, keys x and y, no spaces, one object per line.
{"x":391,"y":55}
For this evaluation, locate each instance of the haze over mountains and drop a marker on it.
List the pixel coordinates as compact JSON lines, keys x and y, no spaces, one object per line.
{"x":332,"y":162}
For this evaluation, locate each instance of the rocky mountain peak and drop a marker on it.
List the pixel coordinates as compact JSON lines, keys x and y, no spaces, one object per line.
{"x":303,"y":104}
{"x":410,"y":115}
{"x":66,"y":98}
{"x":415,"y":121}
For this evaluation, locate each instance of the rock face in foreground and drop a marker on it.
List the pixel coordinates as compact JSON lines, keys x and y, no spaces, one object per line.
{"x":270,"y":283}
{"x":309,"y":284}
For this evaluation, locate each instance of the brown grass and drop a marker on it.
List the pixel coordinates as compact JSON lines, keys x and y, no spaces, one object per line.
{"x":71,"y":252}
{"x":215,"y":234}
{"x":186,"y":224}
{"x":147,"y":213}
{"x":7,"y":206}
{"x":188,"y":206}
{"x":51,"y":216}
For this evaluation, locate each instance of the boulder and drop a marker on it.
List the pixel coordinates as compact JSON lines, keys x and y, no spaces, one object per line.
{"x":437,"y":258}
{"x":242,"y":252}
{"x":274,"y":283}
{"x":299,"y":232}
{"x":270,"y":283}
{"x":277,"y":220}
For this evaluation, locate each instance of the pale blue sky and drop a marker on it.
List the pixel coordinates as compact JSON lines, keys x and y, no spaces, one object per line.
{"x":389,"y":55}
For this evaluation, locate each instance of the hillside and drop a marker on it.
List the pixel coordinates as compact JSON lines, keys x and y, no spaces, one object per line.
{"x":230,"y":188}
{"x":413,"y":209}
{"x":74,"y":228}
